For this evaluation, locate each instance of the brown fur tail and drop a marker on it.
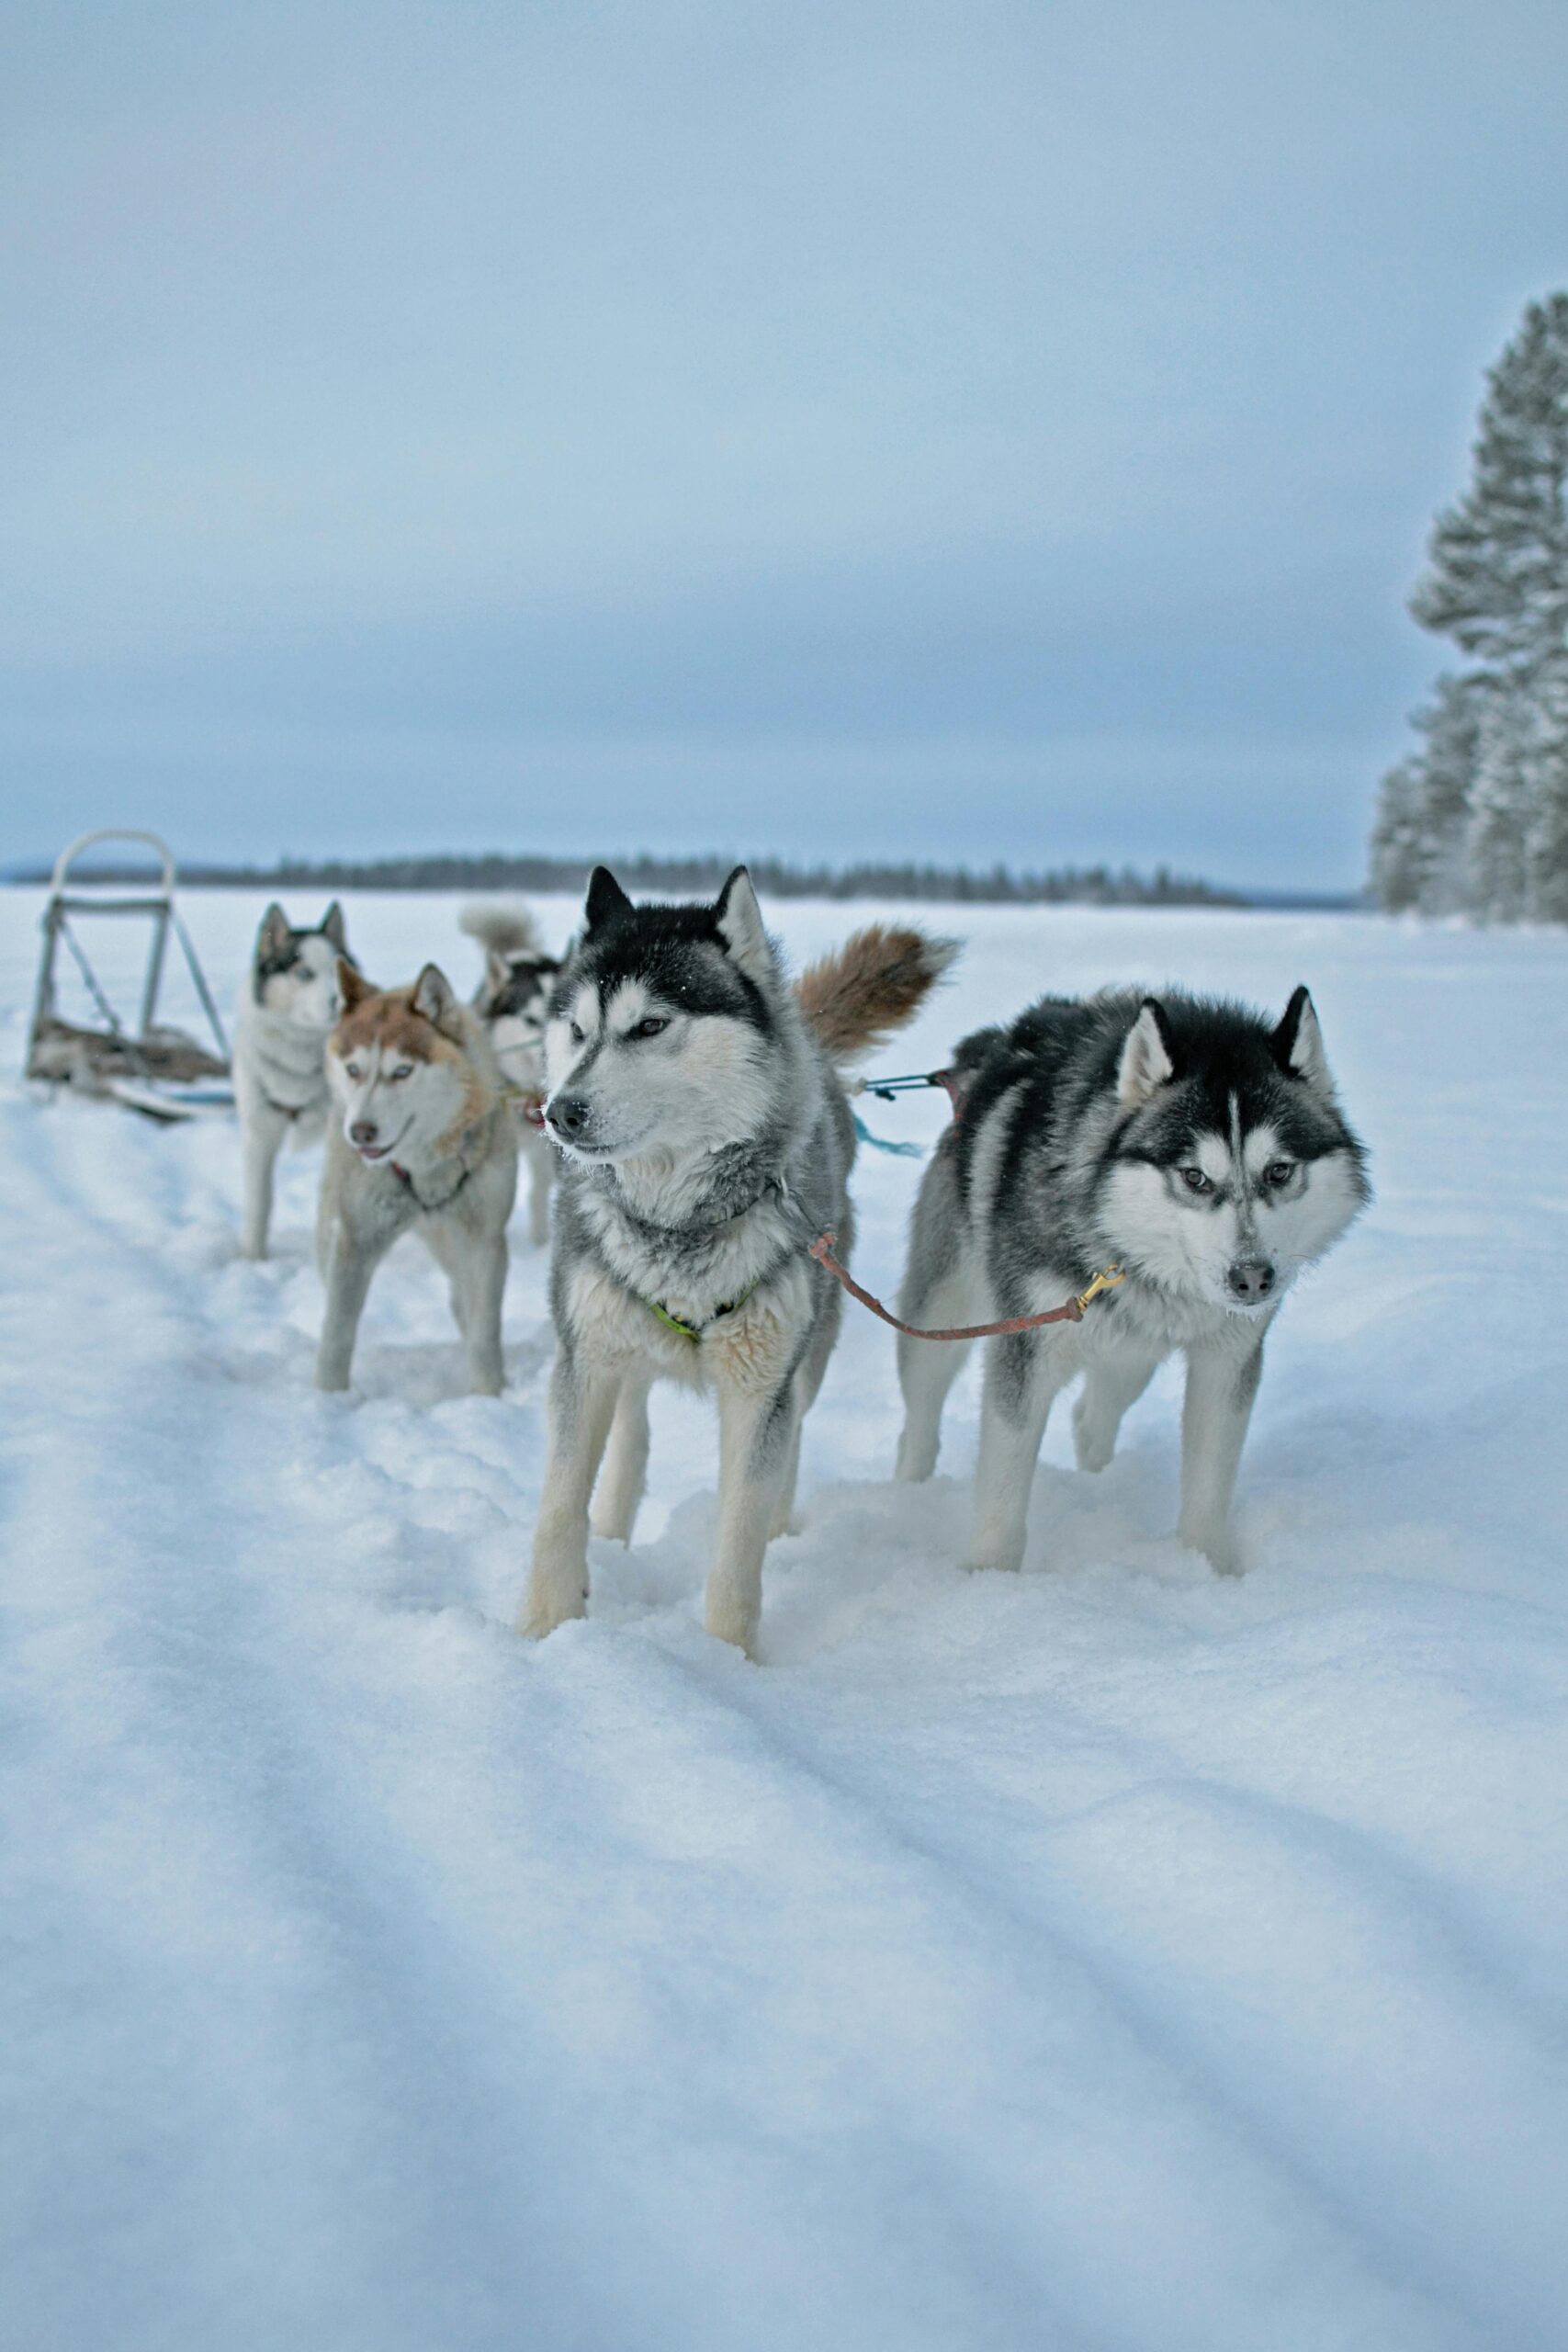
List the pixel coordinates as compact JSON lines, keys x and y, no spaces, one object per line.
{"x":874,"y":984}
{"x":504,"y":930}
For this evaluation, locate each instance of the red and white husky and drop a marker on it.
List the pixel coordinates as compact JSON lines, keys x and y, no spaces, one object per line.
{"x":423,"y":1137}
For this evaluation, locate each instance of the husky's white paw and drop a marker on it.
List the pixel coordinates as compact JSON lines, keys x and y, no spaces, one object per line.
{"x":916,"y":1463}
{"x":1217,"y":1546}
{"x":995,"y":1548}
{"x":1093,"y":1449}
{"x":729,"y":1618}
{"x":556,"y":1593}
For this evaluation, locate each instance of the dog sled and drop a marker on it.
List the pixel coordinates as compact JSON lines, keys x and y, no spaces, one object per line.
{"x":154,"y":1069}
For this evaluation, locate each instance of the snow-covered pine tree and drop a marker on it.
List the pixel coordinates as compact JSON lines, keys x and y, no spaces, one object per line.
{"x":1397,"y":868}
{"x":1418,"y":844}
{"x":1495,"y":878}
{"x":1497,"y":581}
{"x":1546,"y":794}
{"x":1490,"y":811}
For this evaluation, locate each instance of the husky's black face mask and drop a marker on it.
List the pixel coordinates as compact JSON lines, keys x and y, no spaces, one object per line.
{"x":1231,"y":1168}
{"x":294,"y":974}
{"x":659,"y":1030}
{"x":513,"y":1006}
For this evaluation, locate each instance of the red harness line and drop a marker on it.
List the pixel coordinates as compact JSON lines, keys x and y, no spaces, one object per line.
{"x":1070,"y":1311}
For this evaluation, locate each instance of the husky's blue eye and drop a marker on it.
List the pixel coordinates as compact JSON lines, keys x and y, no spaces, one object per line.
{"x":1195,"y":1180}
{"x":575,"y":1033}
{"x":651,"y":1027}
{"x":1278,"y":1171}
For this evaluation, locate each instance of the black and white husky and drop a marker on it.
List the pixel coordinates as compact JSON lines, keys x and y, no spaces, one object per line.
{"x":285,"y":1016}
{"x":511,"y":1001}
{"x":706,"y":1140}
{"x":1181,"y":1138}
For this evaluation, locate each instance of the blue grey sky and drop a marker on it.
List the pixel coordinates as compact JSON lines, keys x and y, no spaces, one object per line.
{"x":974,"y":430}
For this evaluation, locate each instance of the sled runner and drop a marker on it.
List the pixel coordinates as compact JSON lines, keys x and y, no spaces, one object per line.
{"x":156,"y":1070}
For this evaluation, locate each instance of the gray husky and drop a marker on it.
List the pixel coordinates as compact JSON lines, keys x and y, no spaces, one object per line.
{"x":286,"y":1010}
{"x":425,"y":1140}
{"x":1185,"y":1140}
{"x":511,"y":1001}
{"x":706,"y":1140}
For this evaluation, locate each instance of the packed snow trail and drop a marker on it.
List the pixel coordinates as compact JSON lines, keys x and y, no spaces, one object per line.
{"x":1110,"y":1956}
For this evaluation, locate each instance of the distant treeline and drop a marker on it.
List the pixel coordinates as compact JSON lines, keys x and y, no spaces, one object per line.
{"x":695,"y":877}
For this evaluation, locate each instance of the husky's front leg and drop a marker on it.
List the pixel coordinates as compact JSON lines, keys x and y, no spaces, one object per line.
{"x":261,"y":1139}
{"x":756,"y":1438}
{"x":1113,"y":1384}
{"x":350,"y":1261}
{"x":483,"y":1274}
{"x":582,"y":1401}
{"x":1221,"y":1381}
{"x":619,"y":1491}
{"x":1024,"y":1372}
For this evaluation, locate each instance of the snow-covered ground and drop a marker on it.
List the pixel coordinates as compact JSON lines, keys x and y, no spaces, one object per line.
{"x":1106,"y":1956}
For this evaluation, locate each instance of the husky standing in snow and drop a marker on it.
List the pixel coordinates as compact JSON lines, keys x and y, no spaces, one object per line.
{"x":424,"y":1138}
{"x":707,"y":1139}
{"x":1181,"y":1138}
{"x":511,"y":1000}
{"x":279,"y":1066}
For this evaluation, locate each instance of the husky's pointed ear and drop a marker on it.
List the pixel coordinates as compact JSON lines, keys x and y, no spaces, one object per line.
{"x":334,"y":928}
{"x":738,"y":919}
{"x":1297,"y":1044}
{"x":434,"y":998}
{"x":605,"y":899}
{"x":498,"y":970}
{"x":1148,"y":1061}
{"x":352,"y":984}
{"x":275,"y":936}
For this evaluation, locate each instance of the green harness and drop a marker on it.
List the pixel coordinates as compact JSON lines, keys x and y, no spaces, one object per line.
{"x":693,"y":1332}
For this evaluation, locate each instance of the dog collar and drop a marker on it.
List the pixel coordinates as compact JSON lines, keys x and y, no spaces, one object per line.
{"x":285,"y":1110}
{"x":431,"y":1208}
{"x":693,"y":1332}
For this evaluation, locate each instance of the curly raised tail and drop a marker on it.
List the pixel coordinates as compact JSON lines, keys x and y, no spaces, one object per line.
{"x":874,"y":984}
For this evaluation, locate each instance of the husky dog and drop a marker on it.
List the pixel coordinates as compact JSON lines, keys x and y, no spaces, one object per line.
{"x":706,"y":1140}
{"x":1182,"y":1139}
{"x":424,"y":1138}
{"x":511,"y":1000}
{"x":280,"y":1036}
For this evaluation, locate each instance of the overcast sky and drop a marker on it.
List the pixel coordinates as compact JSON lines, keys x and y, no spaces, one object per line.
{"x":967,"y":430}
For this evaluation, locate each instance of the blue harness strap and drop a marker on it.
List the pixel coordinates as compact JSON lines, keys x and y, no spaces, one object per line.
{"x":884,"y":1143}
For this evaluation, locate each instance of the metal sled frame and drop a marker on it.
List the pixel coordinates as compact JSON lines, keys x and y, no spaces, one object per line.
{"x":156,"y":1070}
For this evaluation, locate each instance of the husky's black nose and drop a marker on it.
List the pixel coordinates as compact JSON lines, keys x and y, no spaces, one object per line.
{"x":363,"y":1132}
{"x":569,"y":1114}
{"x":1250,"y":1280}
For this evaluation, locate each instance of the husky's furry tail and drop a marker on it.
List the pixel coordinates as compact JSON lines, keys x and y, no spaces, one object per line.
{"x":504,"y":930}
{"x":870,"y":986}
